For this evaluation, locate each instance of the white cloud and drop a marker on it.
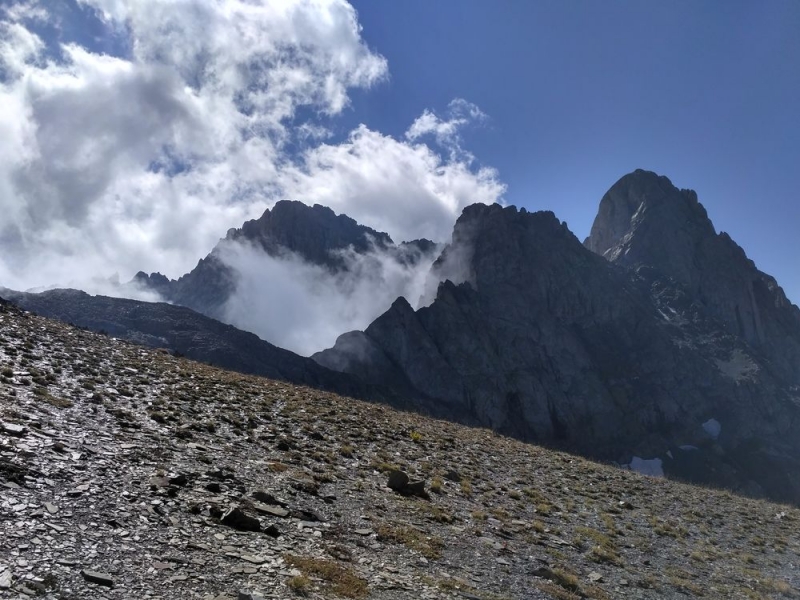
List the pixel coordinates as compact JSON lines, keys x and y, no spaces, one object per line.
{"x":112,"y":164}
{"x":18,"y":10}
{"x":407,"y":190}
{"x":120,"y":163}
{"x":305,"y":307}
{"x":447,"y":132}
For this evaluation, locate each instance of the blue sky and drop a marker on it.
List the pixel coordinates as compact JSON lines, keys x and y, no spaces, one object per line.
{"x":136,"y":132}
{"x":579,"y":93}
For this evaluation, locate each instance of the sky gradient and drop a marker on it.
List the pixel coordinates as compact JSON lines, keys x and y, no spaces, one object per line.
{"x":136,"y":132}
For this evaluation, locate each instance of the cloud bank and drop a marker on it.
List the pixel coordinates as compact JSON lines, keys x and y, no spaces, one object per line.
{"x":304,"y":307}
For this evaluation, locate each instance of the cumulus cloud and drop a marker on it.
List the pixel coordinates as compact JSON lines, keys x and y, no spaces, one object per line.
{"x":408,"y":190}
{"x":147,"y":158}
{"x":134,"y":133}
{"x":447,"y":131}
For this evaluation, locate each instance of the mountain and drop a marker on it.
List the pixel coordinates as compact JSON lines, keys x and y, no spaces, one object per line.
{"x":657,"y":344}
{"x":644,"y":221}
{"x":314,"y":233}
{"x":130,"y":473}
{"x":187,"y":333}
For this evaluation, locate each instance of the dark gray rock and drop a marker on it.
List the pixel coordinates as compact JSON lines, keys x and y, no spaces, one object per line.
{"x":274,"y":511}
{"x":238,"y":519}
{"x":273,"y":531}
{"x":416,"y":488}
{"x":13,"y":429}
{"x":402,"y":484}
{"x":268,"y":498}
{"x":179,"y":480}
{"x":398,"y":480}
{"x":98,"y":578}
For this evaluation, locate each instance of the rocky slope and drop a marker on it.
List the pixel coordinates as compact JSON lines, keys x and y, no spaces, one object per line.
{"x":127,"y":473}
{"x":633,"y":359}
{"x":314,"y":233}
{"x":185,"y":332}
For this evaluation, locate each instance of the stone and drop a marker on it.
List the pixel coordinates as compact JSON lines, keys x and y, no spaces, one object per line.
{"x":275,"y":511}
{"x":268,"y":498}
{"x":398,"y":480}
{"x":238,"y":519}
{"x":179,"y":480}
{"x":416,"y":488}
{"x":595,"y":577}
{"x":305,"y":514}
{"x":453,"y":475}
{"x":98,"y":578}
{"x":13,"y":429}
{"x":273,"y":531}
{"x":5,"y":579}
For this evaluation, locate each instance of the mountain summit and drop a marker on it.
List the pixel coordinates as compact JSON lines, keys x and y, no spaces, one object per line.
{"x":646,"y":221}
{"x":314,"y":234}
{"x":656,"y":342}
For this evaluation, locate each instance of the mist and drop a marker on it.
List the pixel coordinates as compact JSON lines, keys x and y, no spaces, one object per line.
{"x":304,"y":307}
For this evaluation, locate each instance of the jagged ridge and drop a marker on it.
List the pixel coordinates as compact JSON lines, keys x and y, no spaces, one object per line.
{"x":546,"y":341}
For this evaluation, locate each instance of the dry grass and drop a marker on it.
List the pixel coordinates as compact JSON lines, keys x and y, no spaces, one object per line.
{"x":341,"y":580}
{"x":429,"y":546}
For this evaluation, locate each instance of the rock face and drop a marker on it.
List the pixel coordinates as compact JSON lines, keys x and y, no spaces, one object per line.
{"x":314,"y":233}
{"x":186,"y":332}
{"x":621,"y":349}
{"x":645,"y":221}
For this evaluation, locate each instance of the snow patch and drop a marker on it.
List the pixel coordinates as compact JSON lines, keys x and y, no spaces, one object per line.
{"x":687,"y":447}
{"x":713,"y":428}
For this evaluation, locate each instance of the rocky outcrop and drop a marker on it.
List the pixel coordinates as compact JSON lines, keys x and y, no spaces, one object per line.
{"x":618,"y":359}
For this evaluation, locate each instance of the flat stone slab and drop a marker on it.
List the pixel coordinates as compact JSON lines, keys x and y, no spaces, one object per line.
{"x":98,"y":578}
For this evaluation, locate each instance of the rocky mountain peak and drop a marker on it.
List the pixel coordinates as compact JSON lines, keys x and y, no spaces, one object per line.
{"x":155,"y":281}
{"x":648,"y":205}
{"x":536,"y":336}
{"x":644,"y":220}
{"x":315,"y":234}
{"x":488,"y":240}
{"x":310,"y":231}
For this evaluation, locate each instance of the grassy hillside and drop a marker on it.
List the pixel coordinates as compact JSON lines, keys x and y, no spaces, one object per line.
{"x":129,"y":473}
